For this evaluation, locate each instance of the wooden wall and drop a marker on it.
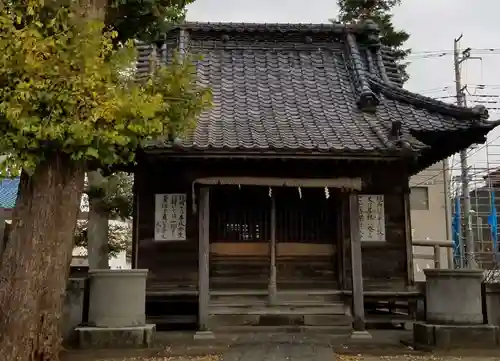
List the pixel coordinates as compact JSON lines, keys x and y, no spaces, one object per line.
{"x":173,"y":265}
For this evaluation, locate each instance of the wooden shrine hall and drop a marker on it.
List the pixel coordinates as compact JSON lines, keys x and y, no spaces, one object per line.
{"x":289,"y":202}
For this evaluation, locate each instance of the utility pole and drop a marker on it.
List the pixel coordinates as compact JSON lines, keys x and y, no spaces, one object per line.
{"x":466,"y":255}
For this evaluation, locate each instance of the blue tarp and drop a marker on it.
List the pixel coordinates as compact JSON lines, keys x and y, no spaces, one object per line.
{"x":8,"y":192}
{"x":493,"y":222}
{"x":456,"y":225}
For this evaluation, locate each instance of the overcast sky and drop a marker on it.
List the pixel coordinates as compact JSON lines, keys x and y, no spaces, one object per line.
{"x":433,"y":25}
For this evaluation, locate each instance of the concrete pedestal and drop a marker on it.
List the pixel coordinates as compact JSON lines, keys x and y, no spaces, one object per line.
{"x":117,"y":298}
{"x":117,"y":310}
{"x":116,"y":337}
{"x":453,"y":296}
{"x":454,"y":315}
{"x":455,"y":336}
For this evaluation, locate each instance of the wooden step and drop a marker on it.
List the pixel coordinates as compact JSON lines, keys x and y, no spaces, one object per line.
{"x":283,"y":297}
{"x":303,"y":309}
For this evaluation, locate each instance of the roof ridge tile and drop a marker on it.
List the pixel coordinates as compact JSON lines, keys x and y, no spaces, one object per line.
{"x":401,"y":94}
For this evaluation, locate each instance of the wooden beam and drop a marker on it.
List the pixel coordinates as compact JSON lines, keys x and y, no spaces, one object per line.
{"x":203,"y":258}
{"x":357,"y":267}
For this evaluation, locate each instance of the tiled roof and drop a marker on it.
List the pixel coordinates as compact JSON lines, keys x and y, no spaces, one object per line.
{"x":303,"y":88}
{"x":8,"y":192}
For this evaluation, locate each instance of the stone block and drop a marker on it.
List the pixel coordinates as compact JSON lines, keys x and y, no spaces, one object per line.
{"x":72,"y":315}
{"x":453,"y":296}
{"x":361,"y":336}
{"x":119,"y":337}
{"x":117,"y":298}
{"x":492,"y":303}
{"x":423,"y":334}
{"x":204,"y":336}
{"x":218,"y":321}
{"x":456,"y":336}
{"x":327,"y":320}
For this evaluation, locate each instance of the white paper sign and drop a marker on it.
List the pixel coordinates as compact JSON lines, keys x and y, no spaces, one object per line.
{"x":371,"y":217}
{"x":170,"y":217}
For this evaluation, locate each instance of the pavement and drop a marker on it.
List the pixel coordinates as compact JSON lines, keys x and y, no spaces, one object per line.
{"x":279,"y":347}
{"x":279,"y":352}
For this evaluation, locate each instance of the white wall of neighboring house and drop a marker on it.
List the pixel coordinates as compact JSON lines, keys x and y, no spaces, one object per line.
{"x":80,"y":259}
{"x":428,"y":214}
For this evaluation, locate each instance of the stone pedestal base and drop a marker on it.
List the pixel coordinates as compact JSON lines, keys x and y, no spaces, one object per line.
{"x":454,"y":336}
{"x":204,"y":335}
{"x":360,"y":335}
{"x":118,"y":337}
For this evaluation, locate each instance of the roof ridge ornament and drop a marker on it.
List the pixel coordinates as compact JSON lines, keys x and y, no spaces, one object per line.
{"x":367,"y":100}
{"x":481,"y":110}
{"x":371,"y":30}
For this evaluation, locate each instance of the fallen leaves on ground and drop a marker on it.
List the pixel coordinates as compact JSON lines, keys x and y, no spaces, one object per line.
{"x":411,"y":358}
{"x":167,"y":358}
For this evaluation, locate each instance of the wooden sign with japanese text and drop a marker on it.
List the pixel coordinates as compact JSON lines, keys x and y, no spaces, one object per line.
{"x":371,"y":217}
{"x":170,"y":217}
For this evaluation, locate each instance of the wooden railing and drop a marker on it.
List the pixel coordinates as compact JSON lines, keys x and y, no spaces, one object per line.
{"x":436,"y":254}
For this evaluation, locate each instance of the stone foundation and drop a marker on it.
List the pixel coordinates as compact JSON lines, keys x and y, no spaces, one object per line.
{"x":119,"y":337}
{"x":455,"y":336}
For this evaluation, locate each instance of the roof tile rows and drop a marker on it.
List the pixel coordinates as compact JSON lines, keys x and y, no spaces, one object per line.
{"x":301,"y":93}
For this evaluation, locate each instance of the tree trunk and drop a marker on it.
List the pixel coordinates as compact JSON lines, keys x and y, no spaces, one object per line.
{"x":97,"y":228}
{"x":35,"y":264}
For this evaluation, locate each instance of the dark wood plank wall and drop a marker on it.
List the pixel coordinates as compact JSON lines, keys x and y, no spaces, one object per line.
{"x":173,"y":265}
{"x":384,"y":263}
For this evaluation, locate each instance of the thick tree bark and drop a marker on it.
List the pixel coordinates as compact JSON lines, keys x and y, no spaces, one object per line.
{"x":35,"y":264}
{"x":97,"y":228}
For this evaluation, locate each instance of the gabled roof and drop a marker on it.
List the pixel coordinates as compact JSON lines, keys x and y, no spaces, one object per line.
{"x":308,"y":88}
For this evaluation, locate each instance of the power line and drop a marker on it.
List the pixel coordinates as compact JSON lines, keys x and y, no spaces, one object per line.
{"x":451,"y":51}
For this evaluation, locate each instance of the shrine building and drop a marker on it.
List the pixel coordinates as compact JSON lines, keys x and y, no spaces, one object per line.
{"x":288,"y":205}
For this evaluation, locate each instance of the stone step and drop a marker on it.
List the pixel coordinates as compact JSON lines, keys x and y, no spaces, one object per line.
{"x":283,"y":319}
{"x":172,"y":319}
{"x":238,"y":331}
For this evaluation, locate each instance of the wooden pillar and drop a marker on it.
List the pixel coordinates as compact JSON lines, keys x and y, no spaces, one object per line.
{"x":272,"y":287}
{"x":357,"y":271}
{"x":410,"y":279}
{"x":135,"y":221}
{"x":203,"y":264}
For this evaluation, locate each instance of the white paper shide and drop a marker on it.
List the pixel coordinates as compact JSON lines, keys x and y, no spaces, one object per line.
{"x":170,"y":217}
{"x":372,"y":217}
